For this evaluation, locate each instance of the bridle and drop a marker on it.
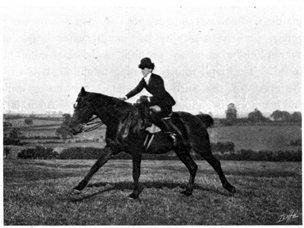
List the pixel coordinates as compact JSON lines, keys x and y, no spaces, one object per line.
{"x":95,"y":125}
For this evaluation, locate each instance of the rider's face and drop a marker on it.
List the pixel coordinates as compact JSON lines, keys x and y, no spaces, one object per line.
{"x":146,"y":71}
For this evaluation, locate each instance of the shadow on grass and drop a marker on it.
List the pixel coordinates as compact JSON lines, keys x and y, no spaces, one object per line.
{"x":83,"y":197}
{"x":127,"y":185}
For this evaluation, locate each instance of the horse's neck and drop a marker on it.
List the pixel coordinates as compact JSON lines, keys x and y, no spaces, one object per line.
{"x":110,"y":109}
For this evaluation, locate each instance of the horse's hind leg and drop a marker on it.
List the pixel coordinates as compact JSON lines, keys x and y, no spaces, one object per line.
{"x":183,"y":153}
{"x":215,"y":163}
{"x":100,"y":162}
{"x":136,"y":159}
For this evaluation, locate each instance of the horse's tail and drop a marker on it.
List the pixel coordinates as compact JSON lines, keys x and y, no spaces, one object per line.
{"x":206,"y":119}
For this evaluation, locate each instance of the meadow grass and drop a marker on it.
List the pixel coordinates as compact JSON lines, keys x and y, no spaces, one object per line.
{"x":264,"y":137}
{"x":257,"y":138}
{"x":37,"y":192}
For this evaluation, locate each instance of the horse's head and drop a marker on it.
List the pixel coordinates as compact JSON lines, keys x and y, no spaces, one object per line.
{"x":83,"y":112}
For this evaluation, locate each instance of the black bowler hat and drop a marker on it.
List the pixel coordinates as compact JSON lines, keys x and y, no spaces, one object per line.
{"x":146,"y":63}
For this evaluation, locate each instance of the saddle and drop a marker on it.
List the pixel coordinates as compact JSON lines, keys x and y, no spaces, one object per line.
{"x":139,"y":118}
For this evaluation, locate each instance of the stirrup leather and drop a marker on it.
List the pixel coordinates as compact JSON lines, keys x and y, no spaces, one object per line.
{"x":148,"y":140}
{"x":173,"y":130}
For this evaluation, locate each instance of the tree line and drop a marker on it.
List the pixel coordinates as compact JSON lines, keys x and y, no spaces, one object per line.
{"x":256,"y":116}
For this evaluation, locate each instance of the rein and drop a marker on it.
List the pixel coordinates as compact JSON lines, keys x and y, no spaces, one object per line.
{"x":96,"y":125}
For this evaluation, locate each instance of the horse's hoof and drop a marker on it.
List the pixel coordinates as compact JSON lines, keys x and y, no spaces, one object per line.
{"x":232,"y":190}
{"x":133,"y":196}
{"x":75,"y":192}
{"x":186,"y":193}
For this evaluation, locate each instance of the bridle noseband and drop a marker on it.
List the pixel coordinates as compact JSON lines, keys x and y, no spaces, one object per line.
{"x":96,"y":124}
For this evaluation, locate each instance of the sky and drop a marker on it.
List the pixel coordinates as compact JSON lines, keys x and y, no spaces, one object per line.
{"x":208,"y":55}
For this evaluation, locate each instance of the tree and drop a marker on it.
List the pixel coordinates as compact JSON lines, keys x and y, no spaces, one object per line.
{"x":67,"y":118}
{"x":256,"y":116}
{"x":277,"y":115}
{"x":11,"y":135}
{"x":63,"y":131}
{"x":286,"y":116}
{"x":296,"y":117}
{"x":231,"y":114}
{"x":6,"y":129}
{"x":28,"y":121}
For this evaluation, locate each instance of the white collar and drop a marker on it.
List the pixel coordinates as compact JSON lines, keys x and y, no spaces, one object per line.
{"x":147,"y":78}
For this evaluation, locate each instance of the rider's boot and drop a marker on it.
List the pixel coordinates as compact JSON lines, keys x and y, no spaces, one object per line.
{"x":172,"y":130}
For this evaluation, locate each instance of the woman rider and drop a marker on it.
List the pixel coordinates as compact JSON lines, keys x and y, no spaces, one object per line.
{"x":160,"y":102}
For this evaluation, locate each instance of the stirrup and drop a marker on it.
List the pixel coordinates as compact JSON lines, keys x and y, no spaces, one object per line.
{"x":153,"y":129}
{"x":173,"y":136}
{"x":148,"y":140}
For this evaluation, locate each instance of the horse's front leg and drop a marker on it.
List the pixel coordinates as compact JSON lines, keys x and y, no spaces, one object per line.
{"x":136,"y":159}
{"x":103,"y":159}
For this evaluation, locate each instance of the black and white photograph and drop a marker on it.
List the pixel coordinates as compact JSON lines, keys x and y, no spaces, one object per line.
{"x":151,"y":113}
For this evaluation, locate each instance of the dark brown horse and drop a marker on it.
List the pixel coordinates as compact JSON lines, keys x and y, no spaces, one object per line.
{"x":125,"y":133}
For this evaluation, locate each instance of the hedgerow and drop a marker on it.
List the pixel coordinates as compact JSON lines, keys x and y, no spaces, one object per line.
{"x":38,"y":153}
{"x":80,"y":153}
{"x":94,"y":153}
{"x":250,"y":155}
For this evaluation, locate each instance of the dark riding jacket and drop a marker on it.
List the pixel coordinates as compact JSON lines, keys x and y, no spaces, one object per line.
{"x":156,"y":87}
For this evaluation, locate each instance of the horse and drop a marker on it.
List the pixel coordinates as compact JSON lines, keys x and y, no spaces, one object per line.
{"x":125,"y":133}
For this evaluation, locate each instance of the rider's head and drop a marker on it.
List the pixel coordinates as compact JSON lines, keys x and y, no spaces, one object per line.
{"x":146,"y":66}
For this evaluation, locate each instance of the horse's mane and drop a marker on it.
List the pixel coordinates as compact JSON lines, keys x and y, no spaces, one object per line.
{"x":110,"y":100}
{"x":131,"y":115}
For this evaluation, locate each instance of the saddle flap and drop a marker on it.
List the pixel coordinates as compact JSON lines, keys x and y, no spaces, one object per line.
{"x":133,"y":121}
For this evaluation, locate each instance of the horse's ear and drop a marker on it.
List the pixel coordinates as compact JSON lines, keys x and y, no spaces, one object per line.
{"x":82,"y":90}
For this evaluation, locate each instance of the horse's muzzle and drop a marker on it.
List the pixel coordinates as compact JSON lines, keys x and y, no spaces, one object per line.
{"x":76,"y":129}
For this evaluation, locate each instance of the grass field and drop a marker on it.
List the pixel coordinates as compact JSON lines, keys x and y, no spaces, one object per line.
{"x":263,"y":137}
{"x":254,"y":137}
{"x":36,"y":192}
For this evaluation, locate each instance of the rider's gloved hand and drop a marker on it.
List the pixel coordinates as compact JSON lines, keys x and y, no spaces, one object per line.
{"x":144,"y":99}
{"x":155,"y":108}
{"x":123,"y":98}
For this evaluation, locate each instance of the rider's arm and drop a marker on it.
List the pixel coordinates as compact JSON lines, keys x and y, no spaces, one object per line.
{"x":137,"y":89}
